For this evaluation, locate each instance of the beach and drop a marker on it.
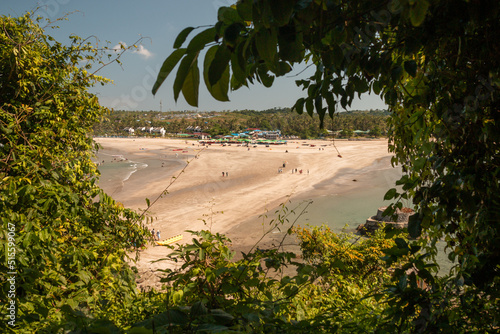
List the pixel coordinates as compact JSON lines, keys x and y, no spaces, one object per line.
{"x":226,"y":188}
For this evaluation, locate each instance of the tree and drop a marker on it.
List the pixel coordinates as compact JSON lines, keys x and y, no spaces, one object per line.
{"x":64,"y":240}
{"x":435,"y":64}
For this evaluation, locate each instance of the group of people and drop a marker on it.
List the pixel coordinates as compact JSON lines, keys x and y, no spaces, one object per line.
{"x":156,"y":236}
{"x":225,"y":174}
{"x":298,"y":171}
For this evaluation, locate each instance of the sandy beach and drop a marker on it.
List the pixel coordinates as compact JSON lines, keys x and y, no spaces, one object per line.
{"x":256,"y":182}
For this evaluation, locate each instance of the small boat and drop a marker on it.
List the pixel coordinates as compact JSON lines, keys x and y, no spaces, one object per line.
{"x":169,"y":240}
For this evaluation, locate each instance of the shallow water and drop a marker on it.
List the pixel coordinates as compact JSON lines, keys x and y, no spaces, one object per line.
{"x":348,"y":199}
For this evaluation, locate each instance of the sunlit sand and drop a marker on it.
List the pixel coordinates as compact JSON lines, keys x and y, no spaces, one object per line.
{"x":203,"y":197}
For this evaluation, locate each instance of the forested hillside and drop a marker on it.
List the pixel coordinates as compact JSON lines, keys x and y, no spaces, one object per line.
{"x":224,"y":123}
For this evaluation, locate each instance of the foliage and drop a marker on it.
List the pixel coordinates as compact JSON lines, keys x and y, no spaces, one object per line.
{"x":224,"y":123}
{"x":435,"y":64}
{"x":257,"y":293}
{"x":65,"y":239}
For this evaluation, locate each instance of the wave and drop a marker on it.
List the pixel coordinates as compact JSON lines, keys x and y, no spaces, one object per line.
{"x":135,"y":167}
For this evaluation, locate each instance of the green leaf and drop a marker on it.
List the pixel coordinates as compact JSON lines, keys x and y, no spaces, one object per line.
{"x":198,"y":309}
{"x":414,"y":226}
{"x":330,"y":101}
{"x":390,"y":194}
{"x":396,"y":73}
{"x":218,"y":64}
{"x":299,"y":106}
{"x":182,"y":72}
{"x":418,"y":12}
{"x":182,"y":37}
{"x":309,"y":106}
{"x":199,"y":41}
{"x":233,"y":32}
{"x":338,"y":56}
{"x":167,"y":67}
{"x":282,"y":10}
{"x":244,"y":8}
{"x":212,"y":328}
{"x":266,"y":79}
{"x":139,"y":330}
{"x":290,"y":44}
{"x":266,"y":41}
{"x":228,"y":15}
{"x":220,"y":89}
{"x":221,"y":317}
{"x":238,"y":66}
{"x":318,"y":105}
{"x":401,"y":243}
{"x":190,"y":88}
{"x":410,"y":67}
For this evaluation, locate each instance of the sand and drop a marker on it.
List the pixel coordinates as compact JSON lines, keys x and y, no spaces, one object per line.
{"x":201,"y":198}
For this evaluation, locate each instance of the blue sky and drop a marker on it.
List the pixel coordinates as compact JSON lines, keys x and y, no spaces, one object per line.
{"x":158,"y":22}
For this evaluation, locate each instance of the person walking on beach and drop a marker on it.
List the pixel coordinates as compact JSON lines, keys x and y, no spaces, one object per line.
{"x":158,"y":235}
{"x":153,"y":233}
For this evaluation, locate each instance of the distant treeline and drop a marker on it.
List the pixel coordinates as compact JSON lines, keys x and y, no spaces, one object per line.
{"x":223,"y":123}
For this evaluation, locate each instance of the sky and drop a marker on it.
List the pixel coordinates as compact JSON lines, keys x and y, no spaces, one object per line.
{"x":157,"y":22}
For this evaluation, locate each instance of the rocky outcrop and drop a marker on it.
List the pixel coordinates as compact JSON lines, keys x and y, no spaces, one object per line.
{"x":374,"y":222}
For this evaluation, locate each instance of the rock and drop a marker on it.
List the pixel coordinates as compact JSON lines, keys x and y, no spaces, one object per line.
{"x":373,"y":223}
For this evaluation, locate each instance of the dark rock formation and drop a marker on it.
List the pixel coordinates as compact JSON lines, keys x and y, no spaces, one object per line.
{"x":374,"y":222}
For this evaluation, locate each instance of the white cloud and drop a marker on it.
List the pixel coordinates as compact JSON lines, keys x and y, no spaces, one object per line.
{"x":120,"y":47}
{"x":142,"y":51}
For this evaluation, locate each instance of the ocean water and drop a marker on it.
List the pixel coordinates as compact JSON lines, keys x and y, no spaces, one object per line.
{"x":115,"y":171}
{"x":347,"y":200}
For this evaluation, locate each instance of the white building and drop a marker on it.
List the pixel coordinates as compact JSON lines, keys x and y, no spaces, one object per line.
{"x":130,"y":130}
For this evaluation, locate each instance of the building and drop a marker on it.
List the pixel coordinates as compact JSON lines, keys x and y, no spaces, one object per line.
{"x":129,"y":130}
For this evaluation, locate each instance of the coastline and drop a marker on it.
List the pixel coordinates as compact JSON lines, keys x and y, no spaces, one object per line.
{"x":254,"y":185}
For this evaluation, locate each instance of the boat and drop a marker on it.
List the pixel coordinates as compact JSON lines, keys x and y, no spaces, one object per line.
{"x":170,"y":240}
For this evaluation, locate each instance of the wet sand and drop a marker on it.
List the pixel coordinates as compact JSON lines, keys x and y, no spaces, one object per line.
{"x":201,"y":198}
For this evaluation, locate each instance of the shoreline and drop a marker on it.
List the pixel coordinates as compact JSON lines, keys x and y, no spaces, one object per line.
{"x":229,"y":204}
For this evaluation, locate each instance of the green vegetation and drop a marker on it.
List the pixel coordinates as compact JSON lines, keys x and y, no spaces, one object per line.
{"x":64,"y":239}
{"x":435,"y":64}
{"x":224,"y":123}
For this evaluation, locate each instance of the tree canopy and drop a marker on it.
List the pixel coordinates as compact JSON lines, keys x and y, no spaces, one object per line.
{"x":64,"y":241}
{"x":435,"y":64}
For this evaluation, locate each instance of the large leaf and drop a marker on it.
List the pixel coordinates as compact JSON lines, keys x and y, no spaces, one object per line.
{"x":299,"y":106}
{"x":229,"y":15}
{"x":220,"y":88}
{"x":203,"y":38}
{"x":414,"y":226}
{"x":191,"y":85}
{"x":198,"y":309}
{"x":244,"y":8}
{"x":390,"y":194}
{"x":218,"y":64}
{"x":411,"y":67}
{"x":238,"y":66}
{"x":167,"y":67}
{"x":182,"y":37}
{"x":265,"y":42}
{"x":290,"y":44}
{"x":266,"y":79}
{"x":182,"y":72}
{"x":418,"y":12}
{"x":232,"y":32}
{"x":282,"y":11}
